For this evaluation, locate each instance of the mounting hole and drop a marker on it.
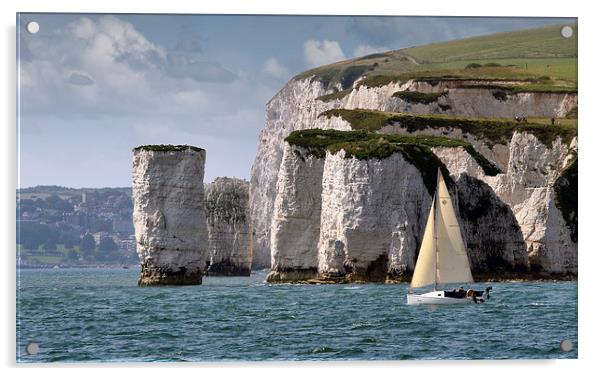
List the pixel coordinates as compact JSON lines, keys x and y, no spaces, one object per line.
{"x":32,"y":348}
{"x":566,"y":31}
{"x":566,"y":345}
{"x":32,"y":27}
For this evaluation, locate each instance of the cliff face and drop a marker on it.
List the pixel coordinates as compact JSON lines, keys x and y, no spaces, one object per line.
{"x":339,"y":218}
{"x":169,"y":218}
{"x":475,"y":98}
{"x":372,"y":216}
{"x":295,"y":107}
{"x":295,"y":226}
{"x":226,"y":209}
{"x":525,"y":187}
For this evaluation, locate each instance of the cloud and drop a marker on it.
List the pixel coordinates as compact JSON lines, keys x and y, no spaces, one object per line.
{"x":401,"y":32}
{"x":98,"y":84}
{"x":366,"y":49}
{"x":273,"y":68}
{"x":123,"y":72}
{"x":81,"y":79}
{"x":316,"y":53}
{"x":182,"y":66}
{"x":189,"y":43}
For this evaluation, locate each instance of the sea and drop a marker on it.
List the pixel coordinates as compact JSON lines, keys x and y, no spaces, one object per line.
{"x":101,"y":315}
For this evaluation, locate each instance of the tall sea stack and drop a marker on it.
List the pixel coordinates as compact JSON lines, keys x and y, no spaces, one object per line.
{"x":226,"y":208}
{"x":169,"y":217}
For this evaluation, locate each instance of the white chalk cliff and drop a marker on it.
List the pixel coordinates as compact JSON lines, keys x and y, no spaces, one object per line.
{"x":226,"y":207}
{"x":359,"y":219}
{"x":169,"y":218}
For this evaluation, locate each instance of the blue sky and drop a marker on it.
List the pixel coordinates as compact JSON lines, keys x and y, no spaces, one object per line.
{"x":92,"y":87}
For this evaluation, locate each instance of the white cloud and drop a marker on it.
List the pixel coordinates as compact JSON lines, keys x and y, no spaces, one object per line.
{"x":317,"y":52}
{"x":274,"y":69}
{"x":99,"y":86}
{"x":366,"y":49}
{"x":81,"y":79}
{"x":107,"y":67}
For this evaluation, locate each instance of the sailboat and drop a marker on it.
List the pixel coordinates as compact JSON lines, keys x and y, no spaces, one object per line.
{"x":442,"y":258}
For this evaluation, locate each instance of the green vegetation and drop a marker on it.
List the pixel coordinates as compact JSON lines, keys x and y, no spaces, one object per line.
{"x":496,"y":131}
{"x":167,"y":148}
{"x":500,"y":95}
{"x":525,"y":83}
{"x":542,"y":42}
{"x":565,"y":197}
{"x":418,"y":97}
{"x":526,"y":55}
{"x":477,"y":65}
{"x":540,"y":86}
{"x":363,"y":144}
{"x":366,"y":145}
{"x":346,"y":74}
{"x":335,"y":95}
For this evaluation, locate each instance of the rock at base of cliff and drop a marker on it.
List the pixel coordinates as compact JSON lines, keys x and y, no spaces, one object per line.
{"x":292,"y":275}
{"x":150,"y":276}
{"x":228,"y":269}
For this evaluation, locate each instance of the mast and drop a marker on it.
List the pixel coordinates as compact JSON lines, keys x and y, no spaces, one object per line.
{"x":436,"y":199}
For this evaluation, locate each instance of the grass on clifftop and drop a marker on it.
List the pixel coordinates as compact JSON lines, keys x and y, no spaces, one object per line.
{"x":539,"y":57}
{"x":496,"y":131}
{"x":167,"y":148}
{"x":418,"y":97}
{"x":335,"y":95}
{"x":363,"y":144}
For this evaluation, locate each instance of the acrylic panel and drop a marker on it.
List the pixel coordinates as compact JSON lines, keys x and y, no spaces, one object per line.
{"x":258,"y":188}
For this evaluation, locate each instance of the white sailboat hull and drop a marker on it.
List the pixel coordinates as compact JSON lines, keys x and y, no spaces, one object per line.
{"x":436,"y":297}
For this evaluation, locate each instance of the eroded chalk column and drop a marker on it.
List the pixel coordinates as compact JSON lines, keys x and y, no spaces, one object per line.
{"x":226,"y":208}
{"x":169,"y":217}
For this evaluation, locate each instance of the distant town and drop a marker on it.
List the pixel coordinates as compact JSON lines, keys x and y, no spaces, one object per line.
{"x":66,"y":227}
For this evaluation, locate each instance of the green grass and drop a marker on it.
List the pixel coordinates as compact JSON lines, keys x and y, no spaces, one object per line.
{"x":496,"y":131}
{"x":333,"y":96}
{"x":418,"y":97}
{"x":542,"y":42}
{"x":560,"y":68}
{"x":362,"y":144}
{"x":528,"y":82}
{"x":167,"y":148}
{"x":368,"y":145}
{"x":520,"y":55}
{"x":535,"y":87}
{"x":565,"y":197}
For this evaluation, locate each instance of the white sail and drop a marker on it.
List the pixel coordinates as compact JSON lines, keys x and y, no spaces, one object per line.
{"x":424,"y":272}
{"x":452,"y":261}
{"x":442,"y":258}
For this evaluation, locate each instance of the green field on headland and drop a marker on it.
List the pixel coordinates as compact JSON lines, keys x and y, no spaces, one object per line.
{"x":540,"y":57}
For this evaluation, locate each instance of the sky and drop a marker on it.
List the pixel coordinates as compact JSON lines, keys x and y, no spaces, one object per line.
{"x":91,"y":87}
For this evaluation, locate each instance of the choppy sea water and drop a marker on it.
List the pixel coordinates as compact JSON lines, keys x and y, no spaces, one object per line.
{"x":102,"y":315}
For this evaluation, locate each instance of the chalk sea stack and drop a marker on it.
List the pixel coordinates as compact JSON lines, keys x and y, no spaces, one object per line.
{"x":169,"y":217}
{"x":226,"y":206}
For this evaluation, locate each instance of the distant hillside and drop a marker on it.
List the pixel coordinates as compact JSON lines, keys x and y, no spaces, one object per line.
{"x":44,"y":191}
{"x":541,"y":56}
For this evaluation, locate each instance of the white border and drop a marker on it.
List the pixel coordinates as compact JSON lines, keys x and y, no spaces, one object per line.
{"x":589,"y":129}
